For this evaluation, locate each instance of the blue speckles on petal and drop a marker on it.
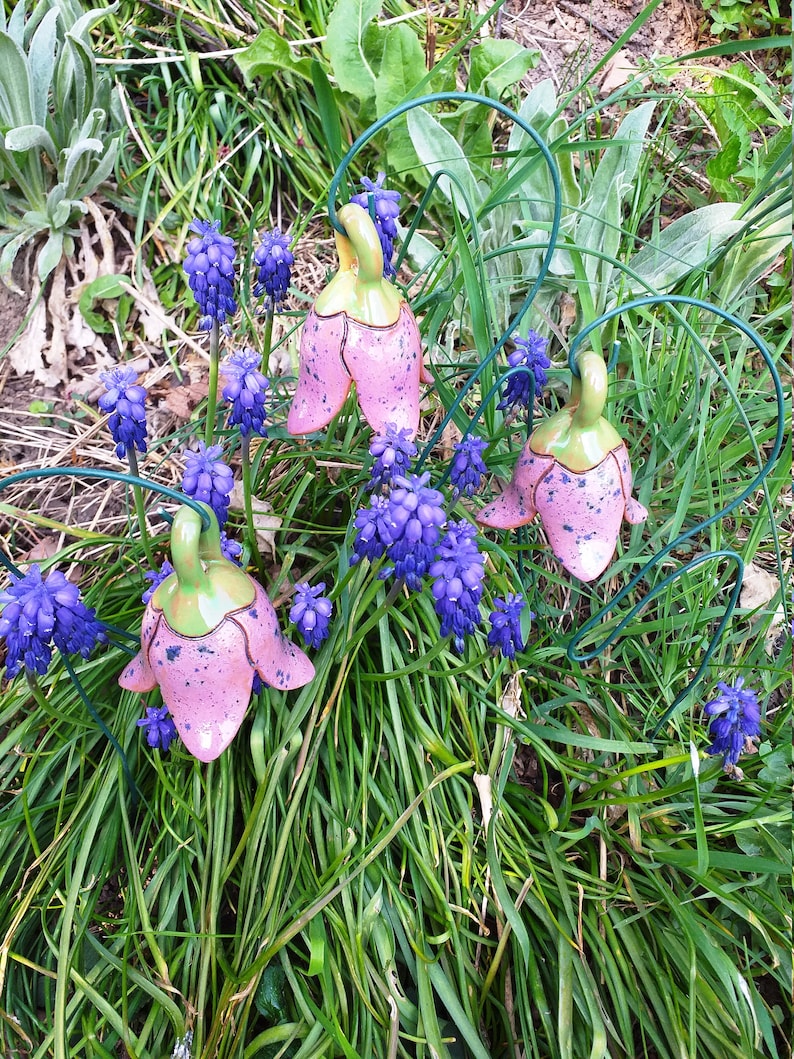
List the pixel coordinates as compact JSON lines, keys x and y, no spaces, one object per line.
{"x":172,"y":653}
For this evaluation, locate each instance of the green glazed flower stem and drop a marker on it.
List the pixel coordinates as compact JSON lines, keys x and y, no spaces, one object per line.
{"x":212,"y":396}
{"x":140,"y":510}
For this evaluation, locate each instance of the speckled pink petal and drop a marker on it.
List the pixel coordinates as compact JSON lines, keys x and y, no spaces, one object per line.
{"x":581,"y":514}
{"x":276,"y":659}
{"x":138,"y":675}
{"x":515,"y":505}
{"x":323,"y":379}
{"x":635,"y":512}
{"x":386,"y":365}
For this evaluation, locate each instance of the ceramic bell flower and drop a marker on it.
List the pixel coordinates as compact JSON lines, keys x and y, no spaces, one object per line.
{"x":207,"y":630}
{"x":574,"y":472}
{"x":360,"y":330}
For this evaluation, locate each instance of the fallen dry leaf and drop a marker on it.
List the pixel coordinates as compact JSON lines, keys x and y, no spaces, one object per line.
{"x":617,"y":73}
{"x":758,"y":587}
{"x":266,"y":524}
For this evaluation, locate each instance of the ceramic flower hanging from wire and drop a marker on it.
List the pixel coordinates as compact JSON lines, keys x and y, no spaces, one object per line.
{"x":208,"y":630}
{"x":360,"y":330}
{"x":574,"y":472}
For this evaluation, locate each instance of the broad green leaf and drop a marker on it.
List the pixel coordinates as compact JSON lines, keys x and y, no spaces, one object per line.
{"x":41,"y":65}
{"x":497,"y":64}
{"x":14,"y":85}
{"x":402,"y":68}
{"x":438,"y":150}
{"x":268,"y":54}
{"x":50,"y":255}
{"x":348,"y":46}
{"x":684,"y":246}
{"x":750,"y":259}
{"x":31,"y":138}
{"x":101,"y":288}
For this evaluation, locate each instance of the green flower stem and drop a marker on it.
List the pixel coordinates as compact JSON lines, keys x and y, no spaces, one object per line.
{"x":212,"y":396}
{"x":140,"y":510}
{"x":267,"y":340}
{"x":250,"y":530}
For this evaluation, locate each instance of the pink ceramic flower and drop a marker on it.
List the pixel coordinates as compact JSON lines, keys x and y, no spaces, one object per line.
{"x":360,"y":330}
{"x":575,"y":473}
{"x":581,"y":511}
{"x":207,"y":631}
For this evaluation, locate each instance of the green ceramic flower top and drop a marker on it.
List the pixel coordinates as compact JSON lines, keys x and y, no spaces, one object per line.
{"x":359,"y":288}
{"x":578,"y":436}
{"x":205,"y":587}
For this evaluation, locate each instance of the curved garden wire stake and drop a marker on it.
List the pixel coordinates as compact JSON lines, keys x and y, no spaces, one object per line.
{"x":441,"y":97}
{"x":731,"y":556}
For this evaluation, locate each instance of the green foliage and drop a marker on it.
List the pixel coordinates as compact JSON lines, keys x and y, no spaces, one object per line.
{"x":58,"y":116}
{"x":747,"y":18}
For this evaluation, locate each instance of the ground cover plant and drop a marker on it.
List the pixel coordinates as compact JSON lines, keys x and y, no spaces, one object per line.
{"x":511,"y":812}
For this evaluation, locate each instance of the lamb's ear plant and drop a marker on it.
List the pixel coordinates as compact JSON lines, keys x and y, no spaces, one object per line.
{"x":59,"y":128}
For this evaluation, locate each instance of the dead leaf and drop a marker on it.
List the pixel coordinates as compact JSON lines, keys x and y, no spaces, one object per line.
{"x":758,"y":587}
{"x":266,"y":524}
{"x":567,"y":307}
{"x":43,"y":549}
{"x":183,"y":399}
{"x":617,"y":73}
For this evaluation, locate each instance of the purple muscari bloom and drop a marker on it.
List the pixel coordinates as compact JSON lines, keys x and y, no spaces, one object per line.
{"x":530,"y":352}
{"x":457,"y":586}
{"x":246,"y":388}
{"x":275,"y":261}
{"x":468,"y":466}
{"x":156,"y":577}
{"x":373,"y":537}
{"x":505,"y":633}
{"x":735,"y":718}
{"x":231,"y":550}
{"x":393,"y":451}
{"x":208,"y":479}
{"x":160,"y":729}
{"x":387,"y":210}
{"x":311,"y":613}
{"x":210,"y":265}
{"x":126,"y":404}
{"x":415,"y":516}
{"x":37,"y":614}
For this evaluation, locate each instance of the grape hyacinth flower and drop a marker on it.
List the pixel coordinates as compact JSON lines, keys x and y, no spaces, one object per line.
{"x":415,"y":516}
{"x":38,"y":614}
{"x":387,"y":210}
{"x":275,"y":261}
{"x":530,"y":352}
{"x":125,"y":402}
{"x":374,"y":536}
{"x":209,"y":265}
{"x":457,"y":587}
{"x":160,"y":728}
{"x":231,"y":549}
{"x":245,"y":389}
{"x":735,"y":720}
{"x":208,"y":479}
{"x":505,"y":632}
{"x":311,"y":612}
{"x":393,"y":451}
{"x":156,"y":578}
{"x":468,"y":467}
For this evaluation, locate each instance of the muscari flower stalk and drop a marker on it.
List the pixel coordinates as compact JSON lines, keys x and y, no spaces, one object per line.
{"x":125,"y":402}
{"x":208,"y":479}
{"x":210,"y":266}
{"x":530,"y":352}
{"x":457,"y":586}
{"x":386,"y":205}
{"x":415,"y":516}
{"x":505,"y":631}
{"x":159,"y":726}
{"x":41,"y":613}
{"x":311,"y":612}
{"x":734,"y":721}
{"x":468,"y":467}
{"x":393,"y":451}
{"x":274,"y":260}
